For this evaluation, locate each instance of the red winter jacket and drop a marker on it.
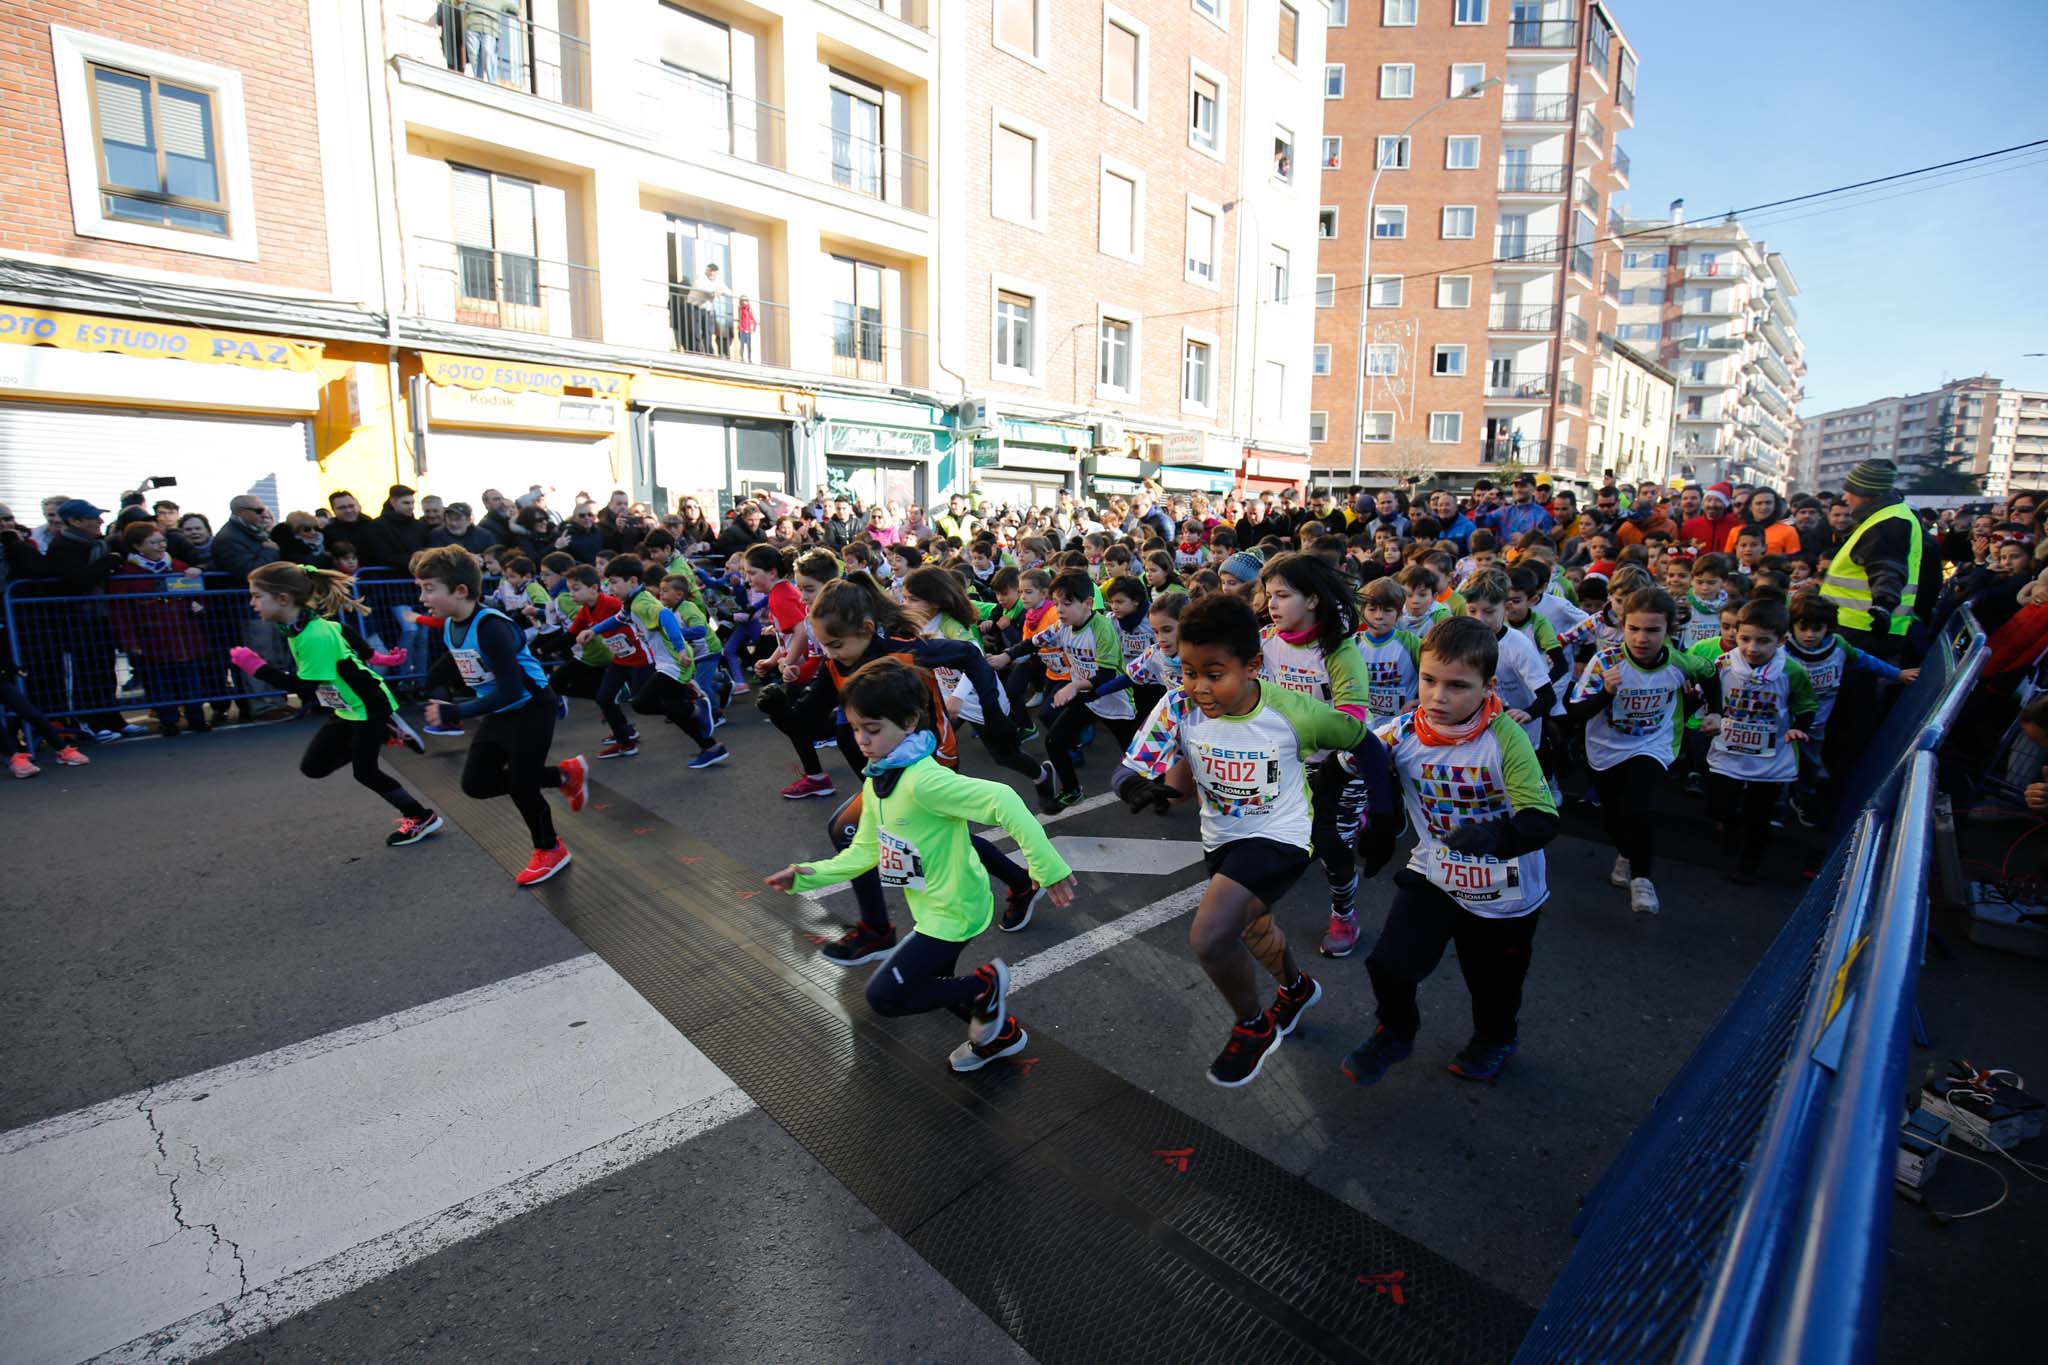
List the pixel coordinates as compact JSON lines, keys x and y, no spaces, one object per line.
{"x":163,"y":627}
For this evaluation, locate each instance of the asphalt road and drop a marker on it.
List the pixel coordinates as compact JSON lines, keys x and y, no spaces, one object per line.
{"x":184,"y":906}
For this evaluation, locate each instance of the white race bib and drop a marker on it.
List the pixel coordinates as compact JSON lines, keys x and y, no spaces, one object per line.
{"x":470,"y":664}
{"x":331,"y":698}
{"x":619,"y":645}
{"x":1638,"y":711}
{"x":1493,"y":882}
{"x":1239,"y":780}
{"x":1749,"y":737}
{"x":900,"y":864}
{"x":1386,"y":702}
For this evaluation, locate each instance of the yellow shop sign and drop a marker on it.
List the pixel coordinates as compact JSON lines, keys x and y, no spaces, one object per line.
{"x":154,"y":340}
{"x":519,"y":376}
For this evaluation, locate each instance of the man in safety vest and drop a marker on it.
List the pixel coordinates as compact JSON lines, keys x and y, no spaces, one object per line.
{"x":1887,"y":575}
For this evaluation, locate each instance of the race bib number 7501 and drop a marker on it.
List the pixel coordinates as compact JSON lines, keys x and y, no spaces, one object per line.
{"x":1494,"y":882}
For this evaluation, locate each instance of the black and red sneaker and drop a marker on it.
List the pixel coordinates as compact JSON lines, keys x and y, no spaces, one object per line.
{"x":1009,"y":1040}
{"x":860,"y":944}
{"x":1019,"y":907}
{"x":1245,"y":1053}
{"x":1291,"y":1001}
{"x":985,"y":1017}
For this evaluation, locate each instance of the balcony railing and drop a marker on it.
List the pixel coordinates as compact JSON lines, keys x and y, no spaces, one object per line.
{"x":1601,"y":405}
{"x":1564,"y":457}
{"x":1575,"y":329}
{"x":505,"y":51}
{"x":1521,"y":106}
{"x":705,"y":116}
{"x":1611,"y":286}
{"x":1510,"y":317}
{"x":1621,"y":163}
{"x":723,"y":324}
{"x":1711,"y":343}
{"x":1592,"y":129}
{"x":873,"y":170}
{"x":1534,"y":386}
{"x":911,"y":12}
{"x":482,"y":287}
{"x":1571,"y":393}
{"x":1625,"y":96}
{"x":1588,"y":197}
{"x":864,"y":348}
{"x":1524,"y":249}
{"x":1549,"y":33}
{"x":1722,"y":269}
{"x":1527,"y":179}
{"x":1507,"y":450}
{"x":1615,"y":225}
{"x":1582,"y":262}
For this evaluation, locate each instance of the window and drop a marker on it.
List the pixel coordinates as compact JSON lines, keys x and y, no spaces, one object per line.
{"x":1205,"y":112}
{"x":1465,"y":75}
{"x":1340,"y":13}
{"x":1461,"y":153}
{"x":1397,"y":13}
{"x":1385,"y":292}
{"x":1448,"y":362}
{"x":1468,"y":11}
{"x":1382,"y":359}
{"x":1287,"y":38}
{"x":1277,"y":272}
{"x":1018,"y":182}
{"x":1326,"y":223}
{"x":1446,"y":428}
{"x":1326,"y":291}
{"x":1201,"y":266}
{"x":1021,"y":27}
{"x":1631,"y":260}
{"x":495,"y":236}
{"x":1016,"y":316}
{"x":1123,"y":63}
{"x":1194,"y":373}
{"x":1333,"y":81}
{"x":1122,"y":214}
{"x":1390,"y":220}
{"x":1397,"y":81}
{"x":1454,"y":291}
{"x":1697,"y":372}
{"x":159,"y":153}
{"x":1377,"y":428}
{"x":1283,"y":155}
{"x":1321,"y":365}
{"x":1318,"y":428}
{"x":1333,"y":153}
{"x":1213,"y":8}
{"x":1394,"y":150}
{"x":1659,"y":260}
{"x":857,"y":336}
{"x":1113,"y":354}
{"x":1460,"y":220}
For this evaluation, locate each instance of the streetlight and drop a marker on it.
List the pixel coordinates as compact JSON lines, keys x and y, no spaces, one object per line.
{"x":1365,"y":268}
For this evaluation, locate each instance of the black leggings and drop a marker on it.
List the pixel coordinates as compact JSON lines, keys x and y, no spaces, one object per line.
{"x":1627,"y":792}
{"x":1063,"y":736}
{"x":1744,"y":806}
{"x":657,"y":694}
{"x":811,"y":720}
{"x":359,"y":744}
{"x":1492,"y":953}
{"x":16,"y":704}
{"x":867,"y":887}
{"x":509,"y":757}
{"x":596,"y":682}
{"x":918,"y":978}
{"x":1337,"y":801}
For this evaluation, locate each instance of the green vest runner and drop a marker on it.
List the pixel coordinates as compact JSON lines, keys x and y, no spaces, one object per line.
{"x":1848,"y":586}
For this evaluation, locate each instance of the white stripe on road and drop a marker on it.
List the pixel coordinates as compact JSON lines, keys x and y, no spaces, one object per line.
{"x":311,"y":1165}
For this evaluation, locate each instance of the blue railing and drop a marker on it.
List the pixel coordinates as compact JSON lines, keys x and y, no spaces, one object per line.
{"x":1745,"y":1220}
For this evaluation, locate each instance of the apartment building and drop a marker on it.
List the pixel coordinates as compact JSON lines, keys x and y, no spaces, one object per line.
{"x":1136,"y":232}
{"x":1630,"y":426}
{"x":2000,"y":433}
{"x":1470,"y":161}
{"x":1715,"y":307}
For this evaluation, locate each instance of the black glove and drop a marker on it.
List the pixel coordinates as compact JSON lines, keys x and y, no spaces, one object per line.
{"x":1140,"y":792}
{"x":1376,"y":846}
{"x":1880,"y":621}
{"x":1476,"y":840}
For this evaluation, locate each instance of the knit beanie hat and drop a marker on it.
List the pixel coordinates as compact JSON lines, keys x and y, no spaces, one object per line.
{"x":1244,"y":566}
{"x":1872,"y":478}
{"x":1722,"y":493}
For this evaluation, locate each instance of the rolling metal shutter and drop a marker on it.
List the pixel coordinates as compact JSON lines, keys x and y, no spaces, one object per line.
{"x":98,"y":452}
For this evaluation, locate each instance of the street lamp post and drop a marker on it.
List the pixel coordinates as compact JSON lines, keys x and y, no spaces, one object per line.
{"x":1365,"y":269}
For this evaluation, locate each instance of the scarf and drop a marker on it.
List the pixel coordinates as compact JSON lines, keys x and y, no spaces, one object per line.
{"x":916,"y":745}
{"x":1481,"y":718}
{"x":151,"y":565}
{"x":1299,"y":637}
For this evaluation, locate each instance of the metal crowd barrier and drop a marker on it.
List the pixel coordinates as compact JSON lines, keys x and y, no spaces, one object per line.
{"x":1746,"y":1218}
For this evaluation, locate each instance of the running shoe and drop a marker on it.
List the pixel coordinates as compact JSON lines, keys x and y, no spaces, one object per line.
{"x":1245,"y":1053}
{"x":1642,"y":896}
{"x":611,"y":748}
{"x":985,"y":1019}
{"x":974,"y":1056}
{"x":561,"y":707}
{"x":816,"y":784}
{"x":1342,"y":938}
{"x":719,"y":718}
{"x":1288,"y":1005}
{"x":706,"y":720}
{"x":69,"y":757}
{"x":401,"y":733}
{"x":445,"y":731}
{"x":632,"y":734}
{"x":860,"y":944}
{"x":1482,"y":1061}
{"x":546,"y":863}
{"x":1805,"y":809}
{"x":740,"y":689}
{"x":104,"y":736}
{"x":827,"y":744}
{"x":1019,"y":908}
{"x":711,"y":757}
{"x":1048,"y":785}
{"x":1070,"y":798}
{"x":411,"y":831}
{"x":20,"y":765}
{"x":575,"y":782}
{"x":1370,"y":1060}
{"x":1695,"y":785}
{"x":1591,"y":796}
{"x":1027,"y":734}
{"x":133,"y":728}
{"x":1620,"y":875}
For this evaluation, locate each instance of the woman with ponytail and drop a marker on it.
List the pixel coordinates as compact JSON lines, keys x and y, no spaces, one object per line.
{"x":304,"y":602}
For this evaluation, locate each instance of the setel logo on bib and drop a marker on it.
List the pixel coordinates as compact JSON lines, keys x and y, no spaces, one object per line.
{"x":900,"y":864}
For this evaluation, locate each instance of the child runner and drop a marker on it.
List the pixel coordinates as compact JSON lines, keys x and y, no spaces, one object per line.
{"x":509,"y":755}
{"x":1705,"y":597}
{"x":1758,"y":705}
{"x":1156,"y":670}
{"x":1629,"y":700}
{"x":1127,"y":603}
{"x":1162,"y":574}
{"x":768,"y":578}
{"x":660,"y":687}
{"x":1239,"y":742}
{"x":15,"y":703}
{"x":1098,"y":688}
{"x":1420,"y":609}
{"x":1827,"y":659}
{"x":1476,"y":798}
{"x":1523,"y":679}
{"x":915,"y":829}
{"x":1390,"y":653}
{"x":589,"y":672}
{"x":303,"y":601}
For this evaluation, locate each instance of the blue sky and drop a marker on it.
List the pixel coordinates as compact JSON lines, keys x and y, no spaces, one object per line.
{"x":1746,"y":101}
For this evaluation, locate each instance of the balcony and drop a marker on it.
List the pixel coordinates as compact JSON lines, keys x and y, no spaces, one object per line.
{"x":1625,"y":96}
{"x":1719,"y":269}
{"x":1564,"y":457}
{"x":719,"y":120}
{"x":508,"y":53}
{"x":1616,"y":227}
{"x":1508,"y":317}
{"x":1533,"y":387}
{"x":863,"y":348}
{"x":1610,"y":285}
{"x":1571,"y":393}
{"x":1523,"y":249}
{"x":1575,"y":329}
{"x":1548,"y":34}
{"x":1717,"y":304}
{"x":1507,"y":450}
{"x":1592,"y":129}
{"x":1621,"y":164}
{"x":1582,"y":263}
{"x":1601,"y":404}
{"x":911,"y":12}
{"x":1711,"y":343}
{"x":1519,"y":106}
{"x":873,"y":170}
{"x":511,"y":291}
{"x":1587,"y":197}
{"x":712,"y":323}
{"x":1528,"y":179}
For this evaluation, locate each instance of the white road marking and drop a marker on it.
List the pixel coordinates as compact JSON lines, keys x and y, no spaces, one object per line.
{"x":1103,"y":937}
{"x":1139,"y":857}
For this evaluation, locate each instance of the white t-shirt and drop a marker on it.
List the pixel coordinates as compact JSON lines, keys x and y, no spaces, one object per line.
{"x":1488,"y":777}
{"x":1642,"y":717}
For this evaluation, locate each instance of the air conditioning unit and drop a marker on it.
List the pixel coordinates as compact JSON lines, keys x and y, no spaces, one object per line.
{"x":974,"y":414}
{"x":1107,"y":435}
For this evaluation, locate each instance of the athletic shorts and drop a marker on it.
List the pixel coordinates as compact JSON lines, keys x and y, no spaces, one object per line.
{"x":970,"y":701}
{"x":1265,"y":867}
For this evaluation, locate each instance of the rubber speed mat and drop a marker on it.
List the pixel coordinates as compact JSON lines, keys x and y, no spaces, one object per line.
{"x":1089,"y":1220}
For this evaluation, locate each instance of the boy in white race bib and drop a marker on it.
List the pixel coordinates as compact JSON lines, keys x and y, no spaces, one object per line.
{"x":1477,"y":801}
{"x":1759,"y":707}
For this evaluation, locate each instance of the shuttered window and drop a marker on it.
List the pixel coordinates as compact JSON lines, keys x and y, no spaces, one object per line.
{"x":495,"y":236}
{"x":159,"y":152}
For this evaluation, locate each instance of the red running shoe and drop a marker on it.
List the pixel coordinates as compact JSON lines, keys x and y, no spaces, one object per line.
{"x":69,"y":757}
{"x":546,"y":863}
{"x":818,"y":785}
{"x":575,"y":781}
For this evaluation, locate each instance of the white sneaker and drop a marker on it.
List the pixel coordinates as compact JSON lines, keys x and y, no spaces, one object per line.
{"x":1642,"y":896}
{"x":1620,"y":875}
{"x":104,"y":736}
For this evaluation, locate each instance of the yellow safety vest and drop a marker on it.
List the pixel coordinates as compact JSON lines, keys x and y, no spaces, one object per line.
{"x":1848,"y":586}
